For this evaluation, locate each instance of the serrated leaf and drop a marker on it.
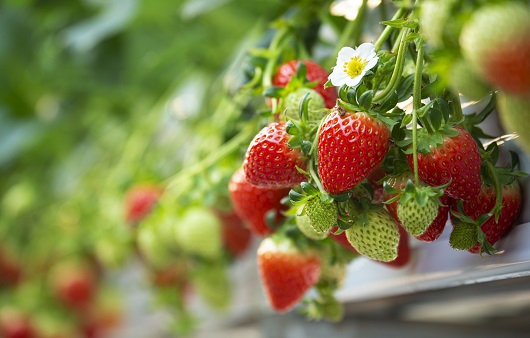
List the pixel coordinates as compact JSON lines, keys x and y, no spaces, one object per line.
{"x":328,"y":84}
{"x":411,"y":23}
{"x":341,"y":197}
{"x":422,"y":197}
{"x":411,"y":37}
{"x":343,"y":225}
{"x":304,"y":108}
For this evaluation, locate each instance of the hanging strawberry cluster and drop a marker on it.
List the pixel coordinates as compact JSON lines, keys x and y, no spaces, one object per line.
{"x":357,"y":161}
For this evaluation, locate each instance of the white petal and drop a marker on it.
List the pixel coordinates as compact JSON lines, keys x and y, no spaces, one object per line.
{"x":371,"y":64}
{"x":345,"y":54}
{"x":338,"y":78}
{"x":355,"y":81}
{"x":366,"y":51}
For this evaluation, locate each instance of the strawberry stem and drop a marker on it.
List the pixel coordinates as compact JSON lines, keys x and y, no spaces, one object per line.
{"x":416,"y":104}
{"x":388,"y":29}
{"x":214,"y":157}
{"x":398,"y":70}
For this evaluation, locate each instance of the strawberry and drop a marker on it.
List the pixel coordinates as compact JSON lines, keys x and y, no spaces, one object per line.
{"x":10,"y":269}
{"x":500,"y":52}
{"x":315,"y":73}
{"x":484,"y":202}
{"x":236,"y":236}
{"x":377,"y":238}
{"x":318,"y":216}
{"x":74,"y":282}
{"x":316,"y":110}
{"x":514,"y":114}
{"x":436,"y":227}
{"x":139,"y":201}
{"x":456,"y":160}
{"x":198,"y":232}
{"x":253,"y":203}
{"x":350,"y":146}
{"x":341,"y":239}
{"x":270,"y":163}
{"x":212,"y":283}
{"x":286,"y":272}
{"x":15,"y":324}
{"x":403,"y":251}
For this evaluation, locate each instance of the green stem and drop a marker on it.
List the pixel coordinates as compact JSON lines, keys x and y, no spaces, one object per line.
{"x":398,"y":69}
{"x":214,"y":157}
{"x":459,"y":115}
{"x":416,"y":104}
{"x":315,"y":178}
{"x":388,"y":29}
{"x":276,"y":52}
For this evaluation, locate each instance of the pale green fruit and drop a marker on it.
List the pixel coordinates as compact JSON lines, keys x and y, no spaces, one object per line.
{"x":198,"y":232}
{"x":415,"y":218}
{"x":316,"y":106}
{"x":514,"y":114}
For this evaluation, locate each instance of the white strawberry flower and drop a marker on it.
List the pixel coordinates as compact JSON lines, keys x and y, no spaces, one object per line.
{"x":352,"y":65}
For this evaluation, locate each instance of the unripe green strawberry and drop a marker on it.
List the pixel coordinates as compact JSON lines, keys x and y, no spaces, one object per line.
{"x":212,"y":283}
{"x":304,"y":225}
{"x":434,"y":18}
{"x":332,"y":272}
{"x":415,"y":218}
{"x":322,"y":216}
{"x":496,"y":42}
{"x":514,"y":114}
{"x":378,"y":239}
{"x":464,"y":236}
{"x":199,"y":233}
{"x":466,"y":82}
{"x":315,"y":107}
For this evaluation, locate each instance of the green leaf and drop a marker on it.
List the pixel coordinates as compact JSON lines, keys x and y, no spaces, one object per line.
{"x":365,"y":101}
{"x":342,"y":197}
{"x":295,"y":142}
{"x":296,"y":196}
{"x":328,"y":84}
{"x":306,"y":147}
{"x":398,"y":23}
{"x":389,"y":103}
{"x":436,"y":118}
{"x":274,"y":92}
{"x":309,"y":189}
{"x":411,"y":37}
{"x":292,"y":128}
{"x":405,"y":88}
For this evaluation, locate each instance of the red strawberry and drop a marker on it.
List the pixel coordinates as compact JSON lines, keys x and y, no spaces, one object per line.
{"x":253,"y":203}
{"x":139,"y":201}
{"x":15,"y":324}
{"x":350,"y":146}
{"x":269,"y":162}
{"x":457,"y":160}
{"x":10,"y":269}
{"x":315,"y":73}
{"x":500,"y":52}
{"x":437,"y":226}
{"x":74,"y":282}
{"x":483,"y":203}
{"x":341,"y":239}
{"x":286,"y":272}
{"x":236,"y":236}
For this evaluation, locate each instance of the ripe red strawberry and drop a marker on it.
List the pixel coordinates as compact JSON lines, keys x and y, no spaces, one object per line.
{"x":139,"y":201}
{"x":74,"y":282}
{"x":253,"y":203}
{"x":483,"y":203}
{"x":500,"y":52}
{"x":350,"y":146}
{"x":435,"y":229}
{"x":236,"y":236}
{"x":15,"y":324}
{"x":270,"y":163}
{"x":315,"y":73}
{"x":10,"y":269}
{"x":286,"y":272}
{"x":457,"y":160}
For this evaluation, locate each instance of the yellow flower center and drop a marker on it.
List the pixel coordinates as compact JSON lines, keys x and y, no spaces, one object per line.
{"x":354,"y":66}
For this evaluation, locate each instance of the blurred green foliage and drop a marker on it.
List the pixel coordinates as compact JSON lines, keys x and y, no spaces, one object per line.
{"x":84,"y":112}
